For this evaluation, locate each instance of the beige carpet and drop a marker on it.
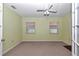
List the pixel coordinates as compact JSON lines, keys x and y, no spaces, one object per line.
{"x":39,"y":49}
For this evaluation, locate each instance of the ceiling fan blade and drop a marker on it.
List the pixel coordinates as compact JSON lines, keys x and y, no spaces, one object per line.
{"x":50,"y":6}
{"x":53,"y":11}
{"x":40,"y":10}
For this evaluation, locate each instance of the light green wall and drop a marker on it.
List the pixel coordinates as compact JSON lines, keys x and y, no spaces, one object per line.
{"x":42,"y":29}
{"x":67,"y":28}
{"x":11,"y":29}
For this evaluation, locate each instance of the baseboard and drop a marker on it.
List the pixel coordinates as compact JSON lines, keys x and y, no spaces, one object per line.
{"x":43,"y":41}
{"x":40,"y":40}
{"x":10,"y":48}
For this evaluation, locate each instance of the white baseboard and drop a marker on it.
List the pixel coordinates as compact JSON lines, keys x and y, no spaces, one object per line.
{"x":10,"y":48}
{"x":43,"y":41}
{"x":39,"y":40}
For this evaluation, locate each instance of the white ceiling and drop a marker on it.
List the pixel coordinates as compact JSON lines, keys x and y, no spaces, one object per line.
{"x":29,"y":9}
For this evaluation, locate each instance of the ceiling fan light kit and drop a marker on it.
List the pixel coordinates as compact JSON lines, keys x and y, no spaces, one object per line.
{"x":46,"y":13}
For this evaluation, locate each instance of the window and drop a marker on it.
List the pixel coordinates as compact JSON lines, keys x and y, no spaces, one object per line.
{"x":53,"y":28}
{"x":30,"y":27}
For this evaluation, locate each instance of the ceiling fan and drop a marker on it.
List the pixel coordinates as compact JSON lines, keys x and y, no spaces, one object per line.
{"x":47,"y":11}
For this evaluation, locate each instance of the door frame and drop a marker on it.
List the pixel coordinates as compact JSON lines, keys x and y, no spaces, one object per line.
{"x":74,"y":29}
{"x":73,"y":16}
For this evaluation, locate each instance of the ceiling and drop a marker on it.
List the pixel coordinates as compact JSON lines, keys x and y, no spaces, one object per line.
{"x":29,"y":9}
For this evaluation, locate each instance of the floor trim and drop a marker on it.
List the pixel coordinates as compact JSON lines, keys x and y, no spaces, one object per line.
{"x":43,"y":42}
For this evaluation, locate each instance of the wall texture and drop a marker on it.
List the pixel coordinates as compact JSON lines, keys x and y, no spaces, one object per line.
{"x":42,"y":29}
{"x":12,"y":32}
{"x":67,"y":28}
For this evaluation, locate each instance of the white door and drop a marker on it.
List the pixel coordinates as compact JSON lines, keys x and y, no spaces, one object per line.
{"x":75,"y":29}
{"x":0,"y":29}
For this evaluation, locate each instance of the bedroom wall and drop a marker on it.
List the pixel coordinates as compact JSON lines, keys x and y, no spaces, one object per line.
{"x":67,"y":29}
{"x":12,"y":29}
{"x":42,"y":29}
